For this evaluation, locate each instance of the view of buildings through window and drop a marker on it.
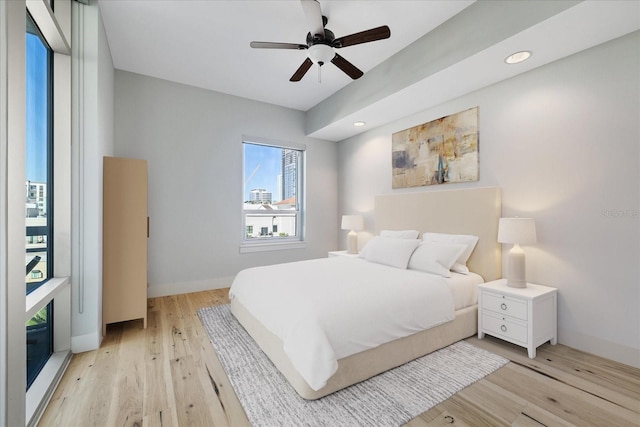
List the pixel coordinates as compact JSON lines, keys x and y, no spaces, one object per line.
{"x":271,"y":191}
{"x":38,"y":242}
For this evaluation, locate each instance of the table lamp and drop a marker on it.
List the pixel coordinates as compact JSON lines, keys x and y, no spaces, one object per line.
{"x":352,"y":223}
{"x":517,"y":231}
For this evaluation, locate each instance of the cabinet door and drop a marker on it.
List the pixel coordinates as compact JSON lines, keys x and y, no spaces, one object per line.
{"x":124,"y":275}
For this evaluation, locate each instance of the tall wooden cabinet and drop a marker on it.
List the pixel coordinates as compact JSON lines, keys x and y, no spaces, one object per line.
{"x":124,"y":241}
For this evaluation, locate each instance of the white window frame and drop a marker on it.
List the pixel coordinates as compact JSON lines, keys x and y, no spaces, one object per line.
{"x":58,"y":287}
{"x":16,"y":407}
{"x":276,"y":243}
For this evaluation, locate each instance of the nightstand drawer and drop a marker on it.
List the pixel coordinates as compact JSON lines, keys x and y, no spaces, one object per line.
{"x":505,"y":305}
{"x":504,"y":327}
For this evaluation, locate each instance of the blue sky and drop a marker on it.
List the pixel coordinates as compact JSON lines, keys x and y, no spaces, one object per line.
{"x":36,"y":63}
{"x":265,"y":163}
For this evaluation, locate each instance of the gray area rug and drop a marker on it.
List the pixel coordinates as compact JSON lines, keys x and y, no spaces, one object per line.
{"x":389,"y":399}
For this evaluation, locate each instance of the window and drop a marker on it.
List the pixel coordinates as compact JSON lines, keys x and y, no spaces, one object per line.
{"x":273,"y":194}
{"x":35,"y":71}
{"x":39,"y":158}
{"x":38,"y":200}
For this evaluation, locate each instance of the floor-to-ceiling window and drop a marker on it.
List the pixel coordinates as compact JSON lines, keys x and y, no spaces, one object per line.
{"x":38,"y":193}
{"x":35,"y":69}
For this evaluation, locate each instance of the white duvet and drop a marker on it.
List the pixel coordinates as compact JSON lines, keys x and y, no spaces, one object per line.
{"x":330,"y":308}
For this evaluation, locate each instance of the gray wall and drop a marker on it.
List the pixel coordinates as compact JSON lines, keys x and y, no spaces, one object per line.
{"x":192,"y":140}
{"x":562,"y":143}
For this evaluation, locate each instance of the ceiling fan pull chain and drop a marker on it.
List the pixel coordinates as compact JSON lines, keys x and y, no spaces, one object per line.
{"x":319,"y":73}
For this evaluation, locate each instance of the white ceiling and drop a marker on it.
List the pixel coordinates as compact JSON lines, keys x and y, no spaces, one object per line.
{"x":205,"y":43}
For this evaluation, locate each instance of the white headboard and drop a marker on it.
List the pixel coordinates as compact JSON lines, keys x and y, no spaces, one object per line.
{"x":466,"y":211}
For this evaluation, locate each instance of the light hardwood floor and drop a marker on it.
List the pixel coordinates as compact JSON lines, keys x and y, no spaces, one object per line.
{"x":169,"y":375}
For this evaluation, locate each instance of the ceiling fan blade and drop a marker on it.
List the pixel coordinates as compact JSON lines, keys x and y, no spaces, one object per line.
{"x":313,"y":15}
{"x":274,"y":45}
{"x":346,"y":66}
{"x":301,"y":71}
{"x":371,"y":35}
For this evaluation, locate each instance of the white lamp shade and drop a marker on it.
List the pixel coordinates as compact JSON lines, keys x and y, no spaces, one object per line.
{"x":517,"y":231}
{"x":352,"y":222}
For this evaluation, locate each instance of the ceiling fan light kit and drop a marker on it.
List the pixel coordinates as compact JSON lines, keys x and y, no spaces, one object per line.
{"x":321,"y":53}
{"x":321,"y":43}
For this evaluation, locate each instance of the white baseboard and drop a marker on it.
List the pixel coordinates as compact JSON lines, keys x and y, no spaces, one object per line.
{"x":87,"y":342}
{"x":166,"y":289}
{"x":603,"y":348}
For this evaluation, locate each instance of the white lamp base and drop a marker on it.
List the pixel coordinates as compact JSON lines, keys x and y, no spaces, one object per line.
{"x":516,"y":277}
{"x":352,"y":242}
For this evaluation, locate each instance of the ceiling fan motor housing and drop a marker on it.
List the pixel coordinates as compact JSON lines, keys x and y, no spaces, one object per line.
{"x":328,"y":39}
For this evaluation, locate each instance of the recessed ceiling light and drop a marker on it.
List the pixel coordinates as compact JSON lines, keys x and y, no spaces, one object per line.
{"x":359,"y":124}
{"x":518,"y":57}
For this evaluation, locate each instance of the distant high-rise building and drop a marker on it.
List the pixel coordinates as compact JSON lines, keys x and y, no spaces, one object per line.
{"x":36,"y":199}
{"x":260,"y":195}
{"x":279,"y":186}
{"x":289,"y":173}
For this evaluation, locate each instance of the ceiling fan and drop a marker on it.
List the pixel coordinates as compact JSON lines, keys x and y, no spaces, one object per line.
{"x":321,"y":43}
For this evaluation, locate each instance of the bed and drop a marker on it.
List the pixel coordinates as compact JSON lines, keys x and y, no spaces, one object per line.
{"x":467,"y":211}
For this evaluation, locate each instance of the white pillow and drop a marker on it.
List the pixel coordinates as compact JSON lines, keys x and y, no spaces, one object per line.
{"x":459,"y":268}
{"x":390,"y":251}
{"x":436,"y":258}
{"x":464,"y":239}
{"x":400,"y":234}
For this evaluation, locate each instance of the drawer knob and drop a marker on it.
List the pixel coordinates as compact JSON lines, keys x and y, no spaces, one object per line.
{"x":503,"y":306}
{"x":503,"y":328}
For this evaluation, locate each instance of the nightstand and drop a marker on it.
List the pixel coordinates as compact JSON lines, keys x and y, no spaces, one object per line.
{"x":342,"y":253}
{"x":523,"y":316}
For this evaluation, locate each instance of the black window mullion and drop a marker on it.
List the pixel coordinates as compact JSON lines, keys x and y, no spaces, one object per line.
{"x":50,"y":171}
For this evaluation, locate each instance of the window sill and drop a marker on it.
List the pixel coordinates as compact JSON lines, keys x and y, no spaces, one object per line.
{"x":40,"y":392}
{"x":271,"y":246}
{"x":44,"y":294}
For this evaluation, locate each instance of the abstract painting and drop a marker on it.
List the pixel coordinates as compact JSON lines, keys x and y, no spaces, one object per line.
{"x":441,"y":151}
